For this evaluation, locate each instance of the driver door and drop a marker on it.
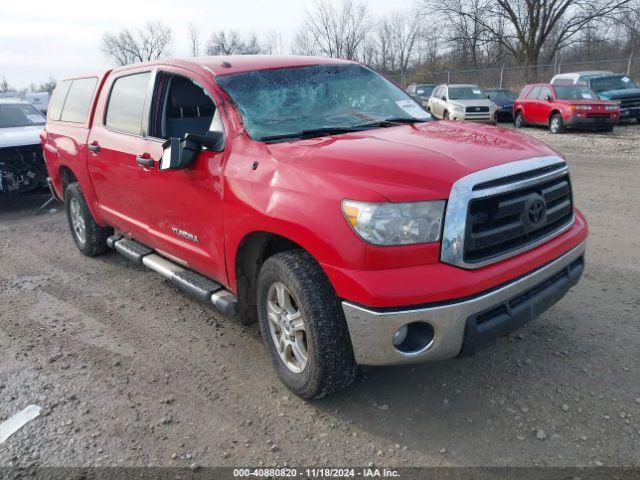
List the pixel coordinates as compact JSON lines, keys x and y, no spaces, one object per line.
{"x":187,"y":221}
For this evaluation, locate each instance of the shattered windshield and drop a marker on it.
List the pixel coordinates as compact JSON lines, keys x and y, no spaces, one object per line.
{"x":316,"y":100}
{"x":20,"y":115}
{"x":614,"y":82}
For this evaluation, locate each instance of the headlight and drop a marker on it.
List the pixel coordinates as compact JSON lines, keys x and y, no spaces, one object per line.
{"x":395,"y":223}
{"x":611,"y":107}
{"x":457,"y":108}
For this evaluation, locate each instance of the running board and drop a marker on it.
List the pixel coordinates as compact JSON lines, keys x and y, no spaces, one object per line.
{"x":188,"y":281}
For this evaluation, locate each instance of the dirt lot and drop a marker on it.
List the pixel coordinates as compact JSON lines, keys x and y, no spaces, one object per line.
{"x":129,"y":371}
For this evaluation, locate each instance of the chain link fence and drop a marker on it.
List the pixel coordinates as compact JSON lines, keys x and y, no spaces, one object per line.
{"x":517,"y":77}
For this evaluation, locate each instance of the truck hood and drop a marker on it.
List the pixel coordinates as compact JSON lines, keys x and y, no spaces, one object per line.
{"x":407,"y":162}
{"x":619,"y":94}
{"x":20,"y":136}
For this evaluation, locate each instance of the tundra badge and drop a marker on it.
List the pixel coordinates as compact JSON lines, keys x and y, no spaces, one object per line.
{"x":181,"y":233}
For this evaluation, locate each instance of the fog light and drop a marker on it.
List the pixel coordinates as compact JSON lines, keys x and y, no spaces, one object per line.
{"x":400,"y":335}
{"x":413,"y":338}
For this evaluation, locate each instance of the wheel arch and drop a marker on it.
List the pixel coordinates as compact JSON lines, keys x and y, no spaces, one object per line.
{"x":67,"y":177}
{"x":253,"y":250}
{"x":552,"y":113}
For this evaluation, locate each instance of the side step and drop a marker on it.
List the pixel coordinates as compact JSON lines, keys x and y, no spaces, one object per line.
{"x":188,"y":281}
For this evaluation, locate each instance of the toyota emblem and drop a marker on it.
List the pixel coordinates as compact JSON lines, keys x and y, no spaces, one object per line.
{"x":536,"y":211}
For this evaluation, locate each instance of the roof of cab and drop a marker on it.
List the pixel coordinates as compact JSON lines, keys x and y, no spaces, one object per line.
{"x":225,"y":65}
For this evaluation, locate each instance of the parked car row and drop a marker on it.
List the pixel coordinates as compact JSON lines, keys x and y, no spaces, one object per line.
{"x":590,"y":100}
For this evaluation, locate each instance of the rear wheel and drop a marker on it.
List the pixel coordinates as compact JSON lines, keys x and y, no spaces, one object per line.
{"x":89,"y":237}
{"x":303,"y":326}
{"x":556,"y":124}
{"x":518,"y":121}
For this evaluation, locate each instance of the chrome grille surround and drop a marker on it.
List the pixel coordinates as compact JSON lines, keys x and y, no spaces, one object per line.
{"x":490,"y":182}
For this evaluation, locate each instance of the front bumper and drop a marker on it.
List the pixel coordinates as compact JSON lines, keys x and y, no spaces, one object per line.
{"x":470,"y":117}
{"x":629,"y":112}
{"x":587,"y":123}
{"x":464,"y":326}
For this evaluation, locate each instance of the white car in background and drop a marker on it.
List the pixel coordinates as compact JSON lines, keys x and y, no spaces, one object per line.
{"x":22,"y":165}
{"x":462,"y":102}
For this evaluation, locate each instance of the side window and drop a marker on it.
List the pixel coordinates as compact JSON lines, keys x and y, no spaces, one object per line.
{"x":533,"y":93}
{"x":182,"y":106}
{"x":126,"y":103}
{"x":57,"y":101}
{"x":436,"y":92}
{"x":76,"y":108}
{"x":544,"y":93}
{"x":523,"y":92}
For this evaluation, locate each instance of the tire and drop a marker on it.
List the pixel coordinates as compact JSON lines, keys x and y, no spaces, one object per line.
{"x":445,"y":115}
{"x":89,"y":237}
{"x":556,"y":125}
{"x":295,"y":281}
{"x":518,"y":121}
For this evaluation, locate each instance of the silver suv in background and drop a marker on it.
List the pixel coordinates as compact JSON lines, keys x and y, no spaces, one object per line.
{"x":462,"y":102}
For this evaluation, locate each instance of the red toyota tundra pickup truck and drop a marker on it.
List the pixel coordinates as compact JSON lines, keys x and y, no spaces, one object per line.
{"x":316,"y":197}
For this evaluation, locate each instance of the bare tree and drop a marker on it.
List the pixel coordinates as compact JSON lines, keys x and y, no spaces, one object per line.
{"x":233,"y":43}
{"x":399,"y":35}
{"x":529,"y":30}
{"x":272,"y":43}
{"x":194,"y":39}
{"x":151,"y":42}
{"x":334,"y":30}
{"x":4,"y":86}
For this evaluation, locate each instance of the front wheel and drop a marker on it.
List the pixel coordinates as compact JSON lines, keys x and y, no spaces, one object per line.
{"x":519,"y":120}
{"x":555,"y":124}
{"x":445,"y":115}
{"x":303,"y":326}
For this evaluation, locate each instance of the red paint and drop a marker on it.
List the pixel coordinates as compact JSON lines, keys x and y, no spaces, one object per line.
{"x":295,"y":191}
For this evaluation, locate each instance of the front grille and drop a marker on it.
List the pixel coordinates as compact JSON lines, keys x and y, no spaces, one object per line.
{"x":22,"y":169}
{"x":630,"y":102}
{"x":506,"y":222}
{"x":477,"y":109}
{"x":598,"y":115}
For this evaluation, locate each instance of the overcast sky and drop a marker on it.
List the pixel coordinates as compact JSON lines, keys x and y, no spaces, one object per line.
{"x":40,"y":38}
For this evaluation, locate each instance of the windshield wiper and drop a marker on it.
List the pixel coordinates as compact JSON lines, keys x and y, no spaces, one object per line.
{"x":387,"y":122}
{"x":313,"y":132}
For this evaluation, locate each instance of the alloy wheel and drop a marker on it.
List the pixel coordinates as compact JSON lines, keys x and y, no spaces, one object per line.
{"x":287,"y":327}
{"x":77,"y":221}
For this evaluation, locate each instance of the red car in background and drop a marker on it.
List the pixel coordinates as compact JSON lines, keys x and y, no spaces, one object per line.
{"x":564,"y":106}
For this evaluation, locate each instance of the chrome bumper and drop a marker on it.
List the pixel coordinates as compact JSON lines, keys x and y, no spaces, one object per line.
{"x":372,"y":331}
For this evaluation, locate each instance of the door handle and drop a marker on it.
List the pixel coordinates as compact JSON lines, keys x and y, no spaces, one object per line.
{"x":145,"y":160}
{"x":94,"y":147}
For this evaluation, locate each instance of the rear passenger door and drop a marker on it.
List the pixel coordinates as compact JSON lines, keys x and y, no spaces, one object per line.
{"x":115,"y":143}
{"x":532,"y":107}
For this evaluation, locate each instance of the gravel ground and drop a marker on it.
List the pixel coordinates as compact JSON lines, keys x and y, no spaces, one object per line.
{"x":131,"y":372}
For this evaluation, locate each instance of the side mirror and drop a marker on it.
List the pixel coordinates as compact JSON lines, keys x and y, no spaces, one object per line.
{"x":444,"y":97}
{"x":549,"y":98}
{"x":179,"y":153}
{"x":488,"y":96}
